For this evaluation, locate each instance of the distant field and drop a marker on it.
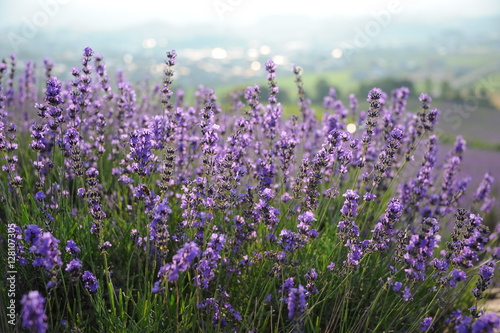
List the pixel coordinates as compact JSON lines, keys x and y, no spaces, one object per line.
{"x":476,"y":163}
{"x":470,"y":60}
{"x":473,"y":123}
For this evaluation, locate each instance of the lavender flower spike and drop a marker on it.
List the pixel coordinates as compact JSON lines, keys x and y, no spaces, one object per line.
{"x":296,"y":302}
{"x":351,"y":203}
{"x":32,"y":233}
{"x":180,"y":262}
{"x":91,"y":283}
{"x":33,"y":312}
{"x":487,"y":323}
{"x":484,"y":188}
{"x":425,"y":325}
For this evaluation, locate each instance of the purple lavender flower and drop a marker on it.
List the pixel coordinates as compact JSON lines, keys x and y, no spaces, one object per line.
{"x":49,"y":65}
{"x":406,"y":295}
{"x":296,"y":302}
{"x":52,"y":108}
{"x":158,"y":232}
{"x":306,"y":219}
{"x":485,"y":273}
{"x":440,"y":264}
{"x":350,"y":204}
{"x":71,"y":143}
{"x":267,"y":194}
{"x":376,"y":100}
{"x":273,"y":110}
{"x":32,"y":233}
{"x":290,"y":241}
{"x":484,"y":188}
{"x":141,"y":155}
{"x":456,"y":276}
{"x":353,"y":103}
{"x":91,"y":282}
{"x":399,"y":97}
{"x":460,"y":146}
{"x":397,"y":286}
{"x":431,"y":119}
{"x":425,"y":324}
{"x":18,"y":246}
{"x":265,"y":171}
{"x":448,"y":190}
{"x":384,"y":228}
{"x":53,"y":92}
{"x":270,"y":68}
{"x":105,"y":246}
{"x":286,"y":197}
{"x":210,"y":137}
{"x":421,"y":249}
{"x":331,"y":266}
{"x":461,"y":322}
{"x":285,"y":150}
{"x":168,"y":80}
{"x":33,"y":312}
{"x":39,"y":196}
{"x":487,"y":205}
{"x":181,"y":262}
{"x":220,"y":309}
{"x":347,"y":227}
{"x":311,"y":276}
{"x":16,"y":182}
{"x":92,"y":172}
{"x":47,"y":251}
{"x":289,"y":283}
{"x":387,"y":155}
{"x":88,"y":52}
{"x":470,"y":242}
{"x":209,"y":261}
{"x":426,"y":100}
{"x":369,"y":196}
{"x":80,"y":97}
{"x":156,"y":289}
{"x":38,"y":132}
{"x":71,"y":247}
{"x":100,"y":69}
{"x":264,"y":212}
{"x":94,"y":200}
{"x":487,"y":323}
{"x":74,"y":268}
{"x":355,"y":253}
{"x":416,"y":190}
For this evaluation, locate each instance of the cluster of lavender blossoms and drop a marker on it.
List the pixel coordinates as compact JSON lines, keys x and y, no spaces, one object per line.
{"x":240,"y":219}
{"x":33,"y":312}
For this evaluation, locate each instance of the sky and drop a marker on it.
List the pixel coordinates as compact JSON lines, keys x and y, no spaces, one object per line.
{"x":115,"y":14}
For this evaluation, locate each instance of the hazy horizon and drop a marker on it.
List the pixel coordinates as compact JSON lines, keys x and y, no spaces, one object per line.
{"x":91,"y":15}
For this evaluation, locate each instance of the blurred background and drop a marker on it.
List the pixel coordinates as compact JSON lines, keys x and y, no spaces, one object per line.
{"x":447,"y":48}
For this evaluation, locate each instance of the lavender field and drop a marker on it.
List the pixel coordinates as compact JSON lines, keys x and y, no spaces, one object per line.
{"x":126,"y":208}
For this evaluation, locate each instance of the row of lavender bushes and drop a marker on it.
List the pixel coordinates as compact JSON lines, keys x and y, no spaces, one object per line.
{"x":129,"y":209}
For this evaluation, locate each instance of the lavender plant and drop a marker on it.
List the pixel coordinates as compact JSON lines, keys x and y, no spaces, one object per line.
{"x":210,"y":218}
